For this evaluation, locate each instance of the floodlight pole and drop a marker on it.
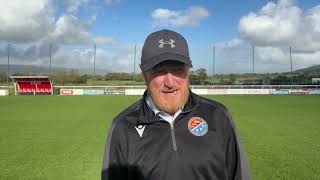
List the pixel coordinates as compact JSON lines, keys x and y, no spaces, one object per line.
{"x":213,"y":61}
{"x":291,"y":67}
{"x":252,"y":62}
{"x":134,"y":63}
{"x":50,"y":60}
{"x":94,"y":62}
{"x":8,"y":64}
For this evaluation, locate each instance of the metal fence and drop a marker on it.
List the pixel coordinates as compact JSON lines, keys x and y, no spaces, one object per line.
{"x":220,"y":60}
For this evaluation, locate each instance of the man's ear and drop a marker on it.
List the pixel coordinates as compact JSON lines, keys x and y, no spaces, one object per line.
{"x":189,"y":70}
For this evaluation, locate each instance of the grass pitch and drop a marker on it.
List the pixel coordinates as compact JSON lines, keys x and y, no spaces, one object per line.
{"x":58,"y":137}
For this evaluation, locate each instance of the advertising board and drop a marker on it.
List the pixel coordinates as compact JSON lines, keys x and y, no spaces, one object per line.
{"x":314,"y":91}
{"x":111,"y":92}
{"x":200,"y":91}
{"x":299,"y":91}
{"x":134,"y":91}
{"x":217,"y":91}
{"x":249,"y":91}
{"x":4,"y":92}
{"x":284,"y":91}
{"x":93,"y":92}
{"x":69,"y":92}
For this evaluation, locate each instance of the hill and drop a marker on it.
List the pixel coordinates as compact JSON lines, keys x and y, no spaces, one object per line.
{"x":45,"y":70}
{"x":309,"y":70}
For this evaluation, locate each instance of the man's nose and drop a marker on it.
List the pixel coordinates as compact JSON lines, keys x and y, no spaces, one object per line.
{"x":169,"y":80}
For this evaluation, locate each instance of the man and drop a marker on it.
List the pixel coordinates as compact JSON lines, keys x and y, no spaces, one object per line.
{"x":172,"y":133}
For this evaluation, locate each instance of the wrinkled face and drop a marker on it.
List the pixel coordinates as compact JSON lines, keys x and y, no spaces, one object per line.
{"x":168,"y":85}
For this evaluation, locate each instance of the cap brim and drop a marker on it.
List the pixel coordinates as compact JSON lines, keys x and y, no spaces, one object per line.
{"x":152,"y":62}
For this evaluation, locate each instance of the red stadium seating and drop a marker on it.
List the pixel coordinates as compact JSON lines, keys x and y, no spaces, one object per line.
{"x":44,"y":87}
{"x":33,"y":84}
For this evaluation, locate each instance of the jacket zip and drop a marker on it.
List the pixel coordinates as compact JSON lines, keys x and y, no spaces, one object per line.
{"x":173,"y":137}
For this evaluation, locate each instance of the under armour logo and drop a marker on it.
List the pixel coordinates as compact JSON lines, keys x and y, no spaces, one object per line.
{"x":171,"y":42}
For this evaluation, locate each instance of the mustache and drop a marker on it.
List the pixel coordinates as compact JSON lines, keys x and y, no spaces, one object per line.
{"x":168,"y":90}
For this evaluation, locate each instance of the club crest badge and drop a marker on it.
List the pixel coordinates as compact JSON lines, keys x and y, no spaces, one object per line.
{"x":197,"y":126}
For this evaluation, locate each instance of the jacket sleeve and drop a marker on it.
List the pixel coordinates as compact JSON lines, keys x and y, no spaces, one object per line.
{"x":236,"y":159}
{"x":115,"y":155}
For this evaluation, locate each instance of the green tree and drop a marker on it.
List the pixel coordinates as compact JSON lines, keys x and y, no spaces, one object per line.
{"x":139,"y":77}
{"x":118,"y":76}
{"x":202,"y":74}
{"x":221,"y":80}
{"x":3,"y":77}
{"x":60,"y":78}
{"x":194,"y":79}
{"x":232,"y":78}
{"x":266,"y":79}
{"x":73,"y":76}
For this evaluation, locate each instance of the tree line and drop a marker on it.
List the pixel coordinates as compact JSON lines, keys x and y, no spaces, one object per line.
{"x":197,"y":77}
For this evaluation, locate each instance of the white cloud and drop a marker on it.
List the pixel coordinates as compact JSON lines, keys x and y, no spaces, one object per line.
{"x":76,"y":57}
{"x":277,"y":59}
{"x":180,"y":18}
{"x":33,"y":21}
{"x":163,"y":16}
{"x":304,"y":60}
{"x":31,"y":27}
{"x":234,"y":43}
{"x":283,"y":23}
{"x":104,"y":40}
{"x":274,"y":24}
{"x":71,"y":30}
{"x":82,"y":58}
{"x":272,"y":55}
{"x":275,"y":27}
{"x":73,"y":58}
{"x":75,"y":4}
{"x":313,"y":16}
{"x":233,"y":65}
{"x":27,"y":53}
{"x":25,"y":21}
{"x":112,"y":1}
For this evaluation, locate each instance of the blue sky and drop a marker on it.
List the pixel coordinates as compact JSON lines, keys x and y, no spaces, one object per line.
{"x":131,"y":21}
{"x":116,"y":26}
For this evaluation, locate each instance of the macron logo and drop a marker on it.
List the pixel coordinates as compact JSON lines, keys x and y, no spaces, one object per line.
{"x":171,"y":43}
{"x":140,"y":129}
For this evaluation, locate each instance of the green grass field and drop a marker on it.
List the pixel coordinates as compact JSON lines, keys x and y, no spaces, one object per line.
{"x":57,"y":137}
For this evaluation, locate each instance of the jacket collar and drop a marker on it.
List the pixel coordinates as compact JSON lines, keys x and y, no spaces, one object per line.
{"x":147,"y":116}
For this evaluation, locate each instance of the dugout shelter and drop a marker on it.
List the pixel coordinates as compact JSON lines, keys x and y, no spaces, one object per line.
{"x":32,"y":85}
